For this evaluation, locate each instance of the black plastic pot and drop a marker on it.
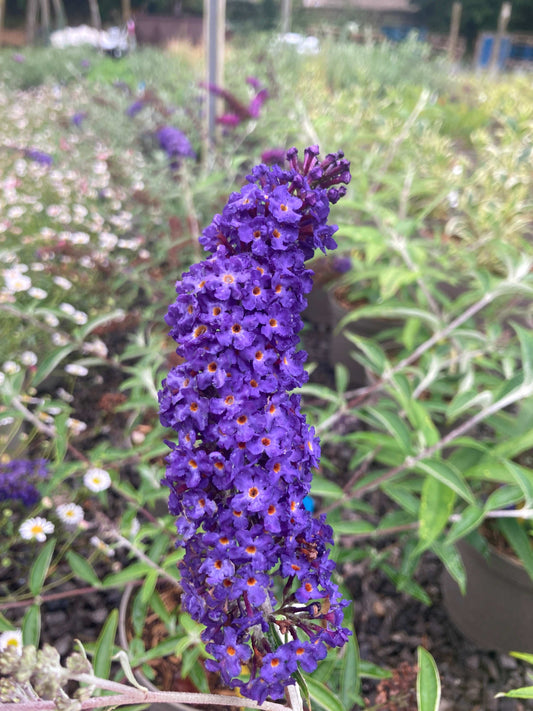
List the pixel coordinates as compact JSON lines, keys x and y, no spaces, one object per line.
{"x":496,"y":613}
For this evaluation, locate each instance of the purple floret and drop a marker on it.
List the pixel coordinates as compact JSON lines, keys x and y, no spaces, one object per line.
{"x":175,"y":143}
{"x":256,"y":560}
{"x":38,"y":156}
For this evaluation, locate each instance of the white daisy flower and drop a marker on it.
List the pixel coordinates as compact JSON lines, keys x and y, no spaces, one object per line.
{"x":28,"y":358}
{"x":59,"y":339}
{"x":37,"y":293}
{"x":86,"y":262}
{"x":103,"y":547}
{"x":70,"y":514}
{"x":36,"y":529}
{"x":97,"y":348}
{"x":12,"y":639}
{"x":76,"y":426}
{"x":62,"y":282}
{"x":15,"y":212}
{"x":96,"y":479}
{"x":67,"y":309}
{"x":80,"y":317}
{"x":16,"y":281}
{"x":64,"y":395}
{"x":108,"y":240}
{"x":51,"y":320}
{"x":76,"y":369}
{"x":10,"y":367}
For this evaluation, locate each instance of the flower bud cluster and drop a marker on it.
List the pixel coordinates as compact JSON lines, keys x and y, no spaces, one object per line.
{"x":256,"y":570}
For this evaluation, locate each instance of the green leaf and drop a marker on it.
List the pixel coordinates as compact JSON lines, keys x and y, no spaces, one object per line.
{"x":372,"y":356}
{"x":99,"y":321}
{"x":136,"y":571}
{"x":103,"y":650}
{"x":350,"y":674}
{"x":422,"y":422}
{"x":470,"y":518}
{"x":524,"y":479}
{"x":436,"y":505}
{"x":524,"y":692}
{"x":50,"y":362}
{"x":503,"y":497}
{"x":31,"y":626}
{"x":393,"y":312}
{"x":369,"y":670}
{"x":322,"y":392}
{"x":149,"y":586}
{"x":82,"y":569}
{"x":524,"y":656}
{"x":39,"y":569}
{"x":452,"y":562}
{"x":428,"y":688}
{"x":465,"y":401}
{"x":525,"y":336}
{"x":447,"y":474}
{"x":352,"y":527}
{"x":323,"y":696}
{"x":325,"y":488}
{"x":519,"y":540}
{"x":392,"y":278}
{"x":342,"y":378}
{"x":394,"y":425}
{"x":61,"y":437}
{"x":5,"y":624}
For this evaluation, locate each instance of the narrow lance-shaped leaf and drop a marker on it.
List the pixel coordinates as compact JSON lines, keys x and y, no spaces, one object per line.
{"x":436,"y":505}
{"x":525,"y":336}
{"x":428,"y":687}
{"x":447,"y":474}
{"x":82,"y":569}
{"x":323,"y":696}
{"x":39,"y":569}
{"x":103,"y":650}
{"x":31,"y":625}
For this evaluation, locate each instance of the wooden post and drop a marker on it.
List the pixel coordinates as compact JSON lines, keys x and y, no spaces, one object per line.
{"x":45,"y":19}
{"x":214,"y":36}
{"x":61,"y":17}
{"x":454,"y":30}
{"x":286,"y":12}
{"x":31,"y":21}
{"x":126,"y":11}
{"x":96,"y":20}
{"x":503,"y":21}
{"x":2,"y":17}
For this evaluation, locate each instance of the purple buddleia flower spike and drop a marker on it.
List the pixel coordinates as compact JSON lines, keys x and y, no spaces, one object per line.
{"x":256,"y":570}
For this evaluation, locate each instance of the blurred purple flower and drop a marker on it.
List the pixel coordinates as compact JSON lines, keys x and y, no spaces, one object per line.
{"x":175,"y":144}
{"x":342,"y":264}
{"x":78,"y":118}
{"x":85,"y":64}
{"x":133,"y":109}
{"x":16,"y":479}
{"x":273,"y":155}
{"x":38,"y":156}
{"x":239,"y":112}
{"x":17,"y":57}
